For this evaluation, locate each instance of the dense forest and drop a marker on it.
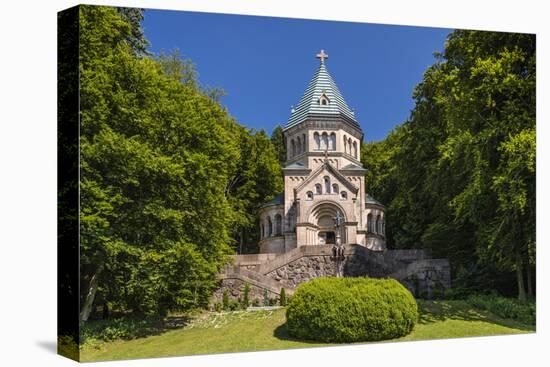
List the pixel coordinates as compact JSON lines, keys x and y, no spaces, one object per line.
{"x":170,"y":183}
{"x":458,"y":176}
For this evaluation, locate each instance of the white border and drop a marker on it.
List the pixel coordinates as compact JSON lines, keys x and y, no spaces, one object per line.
{"x":28,"y":181}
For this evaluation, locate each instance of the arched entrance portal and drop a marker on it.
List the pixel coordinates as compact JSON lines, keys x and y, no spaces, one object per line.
{"x":322,"y":216}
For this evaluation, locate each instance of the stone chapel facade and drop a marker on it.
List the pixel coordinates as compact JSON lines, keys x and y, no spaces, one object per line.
{"x":324,"y":179}
{"x":323,"y":176}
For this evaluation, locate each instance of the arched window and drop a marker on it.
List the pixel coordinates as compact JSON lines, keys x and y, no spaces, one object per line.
{"x":278,"y":225}
{"x":323,"y":100}
{"x":345,"y":144}
{"x":378,"y":225}
{"x":293,"y":145}
{"x":326,"y":181}
{"x":269,"y":227}
{"x":370,"y":223}
{"x":349,"y":146}
{"x":355,"y":149}
{"x":309,"y":195}
{"x":344,"y":195}
{"x":298,"y":145}
{"x":261,"y":229}
{"x":304,"y":148}
{"x":318,"y":189}
{"x":324,"y":142}
{"x":317,"y":140}
{"x":291,"y":218}
{"x":383,"y":225}
{"x":332,"y":141}
{"x":335,"y":188}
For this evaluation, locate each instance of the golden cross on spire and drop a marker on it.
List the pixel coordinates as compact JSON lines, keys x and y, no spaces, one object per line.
{"x":322,"y":56}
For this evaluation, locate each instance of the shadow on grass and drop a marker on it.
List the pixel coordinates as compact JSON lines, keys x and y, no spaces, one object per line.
{"x":281,"y":332}
{"x":434,"y":311}
{"x":131,"y":327}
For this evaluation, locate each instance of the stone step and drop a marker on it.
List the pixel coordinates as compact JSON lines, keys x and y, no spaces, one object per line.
{"x":254,"y":278}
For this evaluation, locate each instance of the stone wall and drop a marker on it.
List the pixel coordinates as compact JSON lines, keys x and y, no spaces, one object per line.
{"x":423,"y":276}
{"x":302,"y":270}
{"x":235,"y":290}
{"x":250,"y":261}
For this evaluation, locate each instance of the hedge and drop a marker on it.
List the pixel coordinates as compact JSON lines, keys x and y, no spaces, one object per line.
{"x":507,"y":308}
{"x":347,"y":310}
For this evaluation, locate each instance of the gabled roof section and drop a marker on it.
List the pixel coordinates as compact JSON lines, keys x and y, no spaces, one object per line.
{"x":329,"y":167}
{"x":321,"y":88}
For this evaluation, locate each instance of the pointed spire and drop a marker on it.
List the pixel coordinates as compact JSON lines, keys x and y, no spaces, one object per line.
{"x":321,"y":97}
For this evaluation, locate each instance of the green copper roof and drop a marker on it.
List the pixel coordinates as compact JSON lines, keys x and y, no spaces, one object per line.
{"x":310,"y":104}
{"x":277,"y":200}
{"x":352,"y":166}
{"x":370,"y":200}
{"x":296,"y":165}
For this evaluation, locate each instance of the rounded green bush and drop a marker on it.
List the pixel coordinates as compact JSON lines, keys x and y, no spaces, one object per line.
{"x":347,"y":310}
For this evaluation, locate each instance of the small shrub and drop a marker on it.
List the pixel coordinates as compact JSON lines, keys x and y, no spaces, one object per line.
{"x":282,"y":297}
{"x":217,"y":306}
{"x":272,"y":301}
{"x":256,"y":302}
{"x":246,"y":293}
{"x":507,"y":308}
{"x":456,"y":293}
{"x":130,"y":327}
{"x":225,"y":300}
{"x":234,"y":305}
{"x":351,"y":309}
{"x":266,"y":298}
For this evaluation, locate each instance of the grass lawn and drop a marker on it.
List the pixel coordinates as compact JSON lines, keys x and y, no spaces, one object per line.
{"x":265,"y":330}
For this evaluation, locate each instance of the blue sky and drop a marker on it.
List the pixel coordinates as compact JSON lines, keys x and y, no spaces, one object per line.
{"x":264,"y":64}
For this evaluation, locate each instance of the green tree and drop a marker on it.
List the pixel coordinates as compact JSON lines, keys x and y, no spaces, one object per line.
{"x":225,"y":300}
{"x":136,"y":37}
{"x":170,"y":183}
{"x":156,"y":157}
{"x":282,"y":297}
{"x":258,"y":178}
{"x":246,"y":294}
{"x":279,"y":144}
{"x":459,"y":175}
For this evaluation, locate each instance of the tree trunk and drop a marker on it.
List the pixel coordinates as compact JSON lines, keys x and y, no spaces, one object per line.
{"x":530,"y":293}
{"x":86,"y":308}
{"x":241,"y":242}
{"x":519,"y":273}
{"x":527,"y":263}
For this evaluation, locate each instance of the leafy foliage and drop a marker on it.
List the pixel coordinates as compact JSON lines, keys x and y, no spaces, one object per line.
{"x":168,"y":178}
{"x":120,"y":328}
{"x":507,"y":308}
{"x":257,"y":179}
{"x":282,"y":297}
{"x":351,"y":309}
{"x":459,"y":175}
{"x":279,"y":144}
{"x":246,"y":294}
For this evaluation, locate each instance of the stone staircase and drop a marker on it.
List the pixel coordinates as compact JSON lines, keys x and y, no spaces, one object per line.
{"x":253,"y":278}
{"x":271,"y":272}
